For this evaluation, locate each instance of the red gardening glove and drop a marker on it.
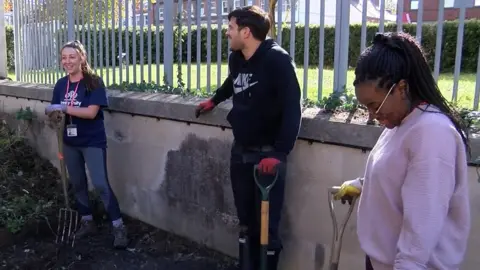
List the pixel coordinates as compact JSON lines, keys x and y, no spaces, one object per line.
{"x":267,"y":165}
{"x":204,"y":107}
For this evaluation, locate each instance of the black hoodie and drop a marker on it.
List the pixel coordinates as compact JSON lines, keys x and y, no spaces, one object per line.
{"x":266,"y":99}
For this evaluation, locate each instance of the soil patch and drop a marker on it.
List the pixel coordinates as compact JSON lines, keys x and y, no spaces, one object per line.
{"x":30,"y":197}
{"x":150,"y":248}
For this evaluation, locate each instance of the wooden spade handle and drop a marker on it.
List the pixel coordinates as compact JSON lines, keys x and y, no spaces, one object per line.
{"x":264,"y":223}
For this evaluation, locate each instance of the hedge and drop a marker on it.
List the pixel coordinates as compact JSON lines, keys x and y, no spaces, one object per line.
{"x":10,"y":48}
{"x":471,"y":43}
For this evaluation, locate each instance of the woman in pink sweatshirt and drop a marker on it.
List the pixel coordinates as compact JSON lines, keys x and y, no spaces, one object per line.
{"x":414,"y":210}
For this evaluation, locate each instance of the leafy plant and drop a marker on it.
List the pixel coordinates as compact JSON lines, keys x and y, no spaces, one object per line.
{"x":15,"y":213}
{"x":28,"y":189}
{"x":344,"y":101}
{"x":25,"y":114}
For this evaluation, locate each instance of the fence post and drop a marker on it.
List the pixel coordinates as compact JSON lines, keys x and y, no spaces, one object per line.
{"x":168,"y":40}
{"x":3,"y":43}
{"x":399,"y":15}
{"x":342,"y":31}
{"x":70,"y":20}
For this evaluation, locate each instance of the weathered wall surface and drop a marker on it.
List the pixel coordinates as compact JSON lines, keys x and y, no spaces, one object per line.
{"x":171,"y":170}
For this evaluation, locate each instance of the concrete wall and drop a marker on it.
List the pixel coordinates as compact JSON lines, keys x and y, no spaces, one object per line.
{"x":171,"y":170}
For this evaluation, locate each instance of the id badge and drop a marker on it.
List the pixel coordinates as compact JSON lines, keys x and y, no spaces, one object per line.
{"x":71,"y":131}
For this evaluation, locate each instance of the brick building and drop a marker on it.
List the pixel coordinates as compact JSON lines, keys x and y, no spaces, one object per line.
{"x":149,"y":17}
{"x":430,"y":10}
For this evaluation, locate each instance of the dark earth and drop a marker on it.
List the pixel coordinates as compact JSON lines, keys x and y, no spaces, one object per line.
{"x":150,"y":249}
{"x":30,"y":197}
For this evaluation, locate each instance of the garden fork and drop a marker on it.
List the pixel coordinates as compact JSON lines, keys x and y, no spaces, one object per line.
{"x":337,"y":231}
{"x":67,"y":217}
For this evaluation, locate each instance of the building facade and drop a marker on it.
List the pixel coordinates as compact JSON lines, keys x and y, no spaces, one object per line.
{"x":431,"y":7}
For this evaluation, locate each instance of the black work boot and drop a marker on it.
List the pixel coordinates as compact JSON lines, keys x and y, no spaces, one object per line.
{"x":273,"y":255}
{"x":254,"y":252}
{"x":86,"y":228}
{"x":243,"y":251}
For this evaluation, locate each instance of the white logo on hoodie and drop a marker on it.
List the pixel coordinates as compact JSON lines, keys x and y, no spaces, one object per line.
{"x":243,"y":82}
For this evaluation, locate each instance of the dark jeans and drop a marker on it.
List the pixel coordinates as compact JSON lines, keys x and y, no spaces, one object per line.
{"x":96,"y":161}
{"x":368,"y":263}
{"x":247,"y":197}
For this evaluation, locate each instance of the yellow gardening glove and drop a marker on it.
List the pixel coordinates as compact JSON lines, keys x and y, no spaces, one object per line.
{"x":348,"y":190}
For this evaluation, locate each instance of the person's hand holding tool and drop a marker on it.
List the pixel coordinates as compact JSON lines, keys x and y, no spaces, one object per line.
{"x":349,"y":189}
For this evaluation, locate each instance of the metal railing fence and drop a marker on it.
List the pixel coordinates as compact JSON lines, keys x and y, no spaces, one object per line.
{"x":132,"y":41}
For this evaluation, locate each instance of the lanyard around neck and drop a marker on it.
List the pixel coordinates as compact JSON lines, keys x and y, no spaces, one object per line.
{"x":72,"y":97}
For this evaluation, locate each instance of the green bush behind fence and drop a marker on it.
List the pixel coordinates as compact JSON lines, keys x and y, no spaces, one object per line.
{"x":471,"y":43}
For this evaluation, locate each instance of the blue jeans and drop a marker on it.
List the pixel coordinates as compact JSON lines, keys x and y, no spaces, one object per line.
{"x":96,"y":161}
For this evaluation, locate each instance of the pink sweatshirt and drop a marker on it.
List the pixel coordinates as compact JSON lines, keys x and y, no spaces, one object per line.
{"x":414,"y":211}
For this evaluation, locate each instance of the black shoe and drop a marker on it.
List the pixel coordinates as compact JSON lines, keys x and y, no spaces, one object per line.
{"x":273,"y":255}
{"x":121,"y":237}
{"x":86,"y":228}
{"x":243,"y":251}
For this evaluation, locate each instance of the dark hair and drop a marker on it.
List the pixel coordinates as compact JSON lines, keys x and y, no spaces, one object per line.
{"x":254,"y":18}
{"x":92,"y":80}
{"x":398,"y":56}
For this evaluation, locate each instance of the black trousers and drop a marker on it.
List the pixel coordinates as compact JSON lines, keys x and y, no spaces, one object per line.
{"x":368,"y":263}
{"x":247,"y":197}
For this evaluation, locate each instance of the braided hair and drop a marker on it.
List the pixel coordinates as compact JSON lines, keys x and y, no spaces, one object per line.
{"x":92,"y":80}
{"x":398,"y":56}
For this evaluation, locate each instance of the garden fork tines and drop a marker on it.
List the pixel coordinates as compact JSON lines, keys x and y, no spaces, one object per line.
{"x":67,"y":226}
{"x":67,"y":217}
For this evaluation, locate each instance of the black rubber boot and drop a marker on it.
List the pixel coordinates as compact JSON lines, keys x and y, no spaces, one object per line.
{"x":273,"y":256}
{"x":243,"y":251}
{"x":254,"y":250}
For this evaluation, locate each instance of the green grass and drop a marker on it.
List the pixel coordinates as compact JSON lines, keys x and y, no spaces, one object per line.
{"x":465,"y":95}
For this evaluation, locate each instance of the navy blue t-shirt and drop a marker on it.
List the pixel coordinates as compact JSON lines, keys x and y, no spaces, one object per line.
{"x":90,"y":132}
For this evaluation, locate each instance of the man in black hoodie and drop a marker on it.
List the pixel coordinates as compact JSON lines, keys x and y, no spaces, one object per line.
{"x":265,"y":120}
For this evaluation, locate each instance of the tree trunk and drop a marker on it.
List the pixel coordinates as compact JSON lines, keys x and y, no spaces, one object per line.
{"x":271,"y":15}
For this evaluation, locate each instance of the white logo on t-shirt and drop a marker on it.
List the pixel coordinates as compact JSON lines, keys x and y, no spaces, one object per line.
{"x":68,"y":97}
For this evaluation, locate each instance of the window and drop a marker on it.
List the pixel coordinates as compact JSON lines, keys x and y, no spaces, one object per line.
{"x":224,"y":7}
{"x":137,"y":19}
{"x":414,"y":4}
{"x":449,"y":3}
{"x":146,"y":19}
{"x":236,"y":4}
{"x":285,"y":6}
{"x":160,"y":13}
{"x":477,"y":3}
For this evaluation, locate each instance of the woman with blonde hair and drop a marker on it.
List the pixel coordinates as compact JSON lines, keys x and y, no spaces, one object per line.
{"x":81,"y":95}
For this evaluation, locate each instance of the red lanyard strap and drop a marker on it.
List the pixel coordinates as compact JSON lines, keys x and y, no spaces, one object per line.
{"x":72,"y":96}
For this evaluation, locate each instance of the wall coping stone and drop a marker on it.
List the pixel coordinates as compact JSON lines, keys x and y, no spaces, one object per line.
{"x":317,"y":126}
